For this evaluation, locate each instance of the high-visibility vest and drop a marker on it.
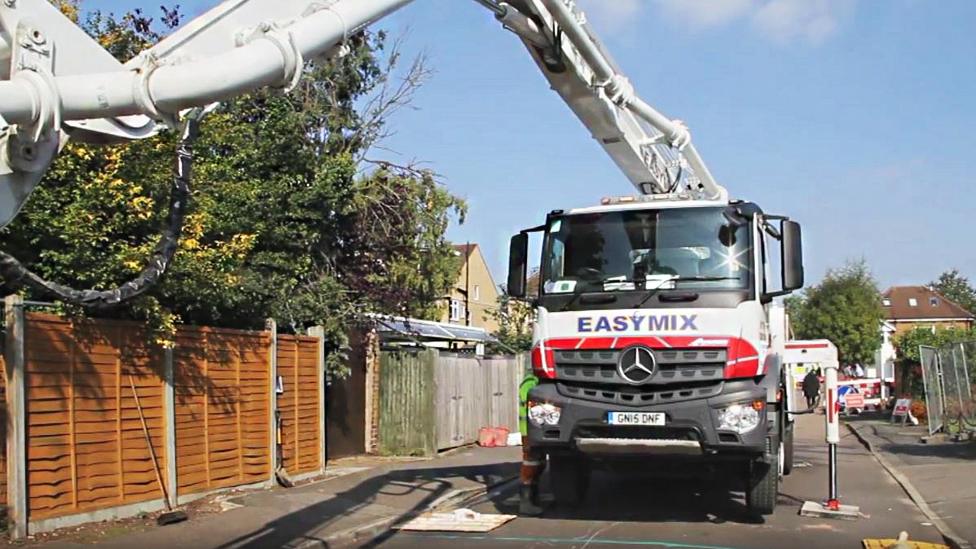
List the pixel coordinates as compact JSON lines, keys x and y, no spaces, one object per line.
{"x":527,"y":384}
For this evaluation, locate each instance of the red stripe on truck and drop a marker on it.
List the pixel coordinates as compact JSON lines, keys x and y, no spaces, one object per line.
{"x":742,"y":357}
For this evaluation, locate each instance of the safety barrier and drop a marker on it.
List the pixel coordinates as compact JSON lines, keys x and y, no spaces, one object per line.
{"x":949,"y":374}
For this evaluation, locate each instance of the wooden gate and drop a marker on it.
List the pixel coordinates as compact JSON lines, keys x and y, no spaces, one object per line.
{"x":407,"y":408}
{"x":461,"y":400}
{"x":504,"y":374}
{"x":299,"y":404}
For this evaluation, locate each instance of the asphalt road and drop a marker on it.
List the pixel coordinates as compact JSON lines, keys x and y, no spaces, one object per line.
{"x":708,"y":513}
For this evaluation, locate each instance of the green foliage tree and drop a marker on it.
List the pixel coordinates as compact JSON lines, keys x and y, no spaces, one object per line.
{"x":288,"y":219}
{"x":515,"y":318}
{"x":956,"y":287}
{"x":907,"y":343}
{"x":844,"y":308}
{"x":514,"y":333}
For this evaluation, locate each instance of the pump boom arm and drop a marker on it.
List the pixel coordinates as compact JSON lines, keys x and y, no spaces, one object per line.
{"x":57,"y":81}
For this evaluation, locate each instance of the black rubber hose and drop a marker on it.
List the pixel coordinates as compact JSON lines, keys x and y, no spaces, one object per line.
{"x":16,"y":275}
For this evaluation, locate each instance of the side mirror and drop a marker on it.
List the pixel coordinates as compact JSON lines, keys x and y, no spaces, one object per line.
{"x":518,"y":256}
{"x":792,"y":256}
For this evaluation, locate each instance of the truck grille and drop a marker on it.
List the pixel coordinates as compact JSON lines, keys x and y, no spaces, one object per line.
{"x":673,"y":366}
{"x":626,"y":395}
{"x":634,"y":432}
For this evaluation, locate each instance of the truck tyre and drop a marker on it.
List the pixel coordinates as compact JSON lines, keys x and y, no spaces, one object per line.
{"x":763,"y":485}
{"x":570,"y":478}
{"x":788,"y":452}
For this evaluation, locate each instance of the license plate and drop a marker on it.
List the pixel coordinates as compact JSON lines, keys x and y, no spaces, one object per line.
{"x":635,"y":418}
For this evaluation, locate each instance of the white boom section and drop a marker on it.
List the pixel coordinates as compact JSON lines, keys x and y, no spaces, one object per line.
{"x":654,"y":152}
{"x":61,"y":79}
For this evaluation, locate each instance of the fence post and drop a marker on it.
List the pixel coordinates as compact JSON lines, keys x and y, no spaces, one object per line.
{"x":319,"y":333}
{"x":16,"y":417}
{"x":272,"y":327}
{"x":169,"y":416}
{"x":429,"y":360}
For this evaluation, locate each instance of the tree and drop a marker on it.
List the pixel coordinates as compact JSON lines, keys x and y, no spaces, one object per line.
{"x":515,"y":319}
{"x":907,"y":343}
{"x":844,"y":308}
{"x":289,"y":219}
{"x":514,"y":333}
{"x":953,"y":285}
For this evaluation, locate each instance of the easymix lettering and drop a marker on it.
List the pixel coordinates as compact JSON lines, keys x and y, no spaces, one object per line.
{"x":637,"y":323}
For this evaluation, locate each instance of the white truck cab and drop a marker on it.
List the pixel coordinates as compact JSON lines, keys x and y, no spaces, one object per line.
{"x":654,"y":339}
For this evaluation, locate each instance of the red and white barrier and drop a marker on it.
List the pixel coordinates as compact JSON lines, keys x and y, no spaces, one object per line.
{"x":831,"y":508}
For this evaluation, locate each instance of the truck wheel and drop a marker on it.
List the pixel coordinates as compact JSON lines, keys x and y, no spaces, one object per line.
{"x":788,"y":452}
{"x":570,"y":478}
{"x":763,"y":486}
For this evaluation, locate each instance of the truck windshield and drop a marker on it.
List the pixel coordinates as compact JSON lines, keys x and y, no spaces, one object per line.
{"x":693,"y":248}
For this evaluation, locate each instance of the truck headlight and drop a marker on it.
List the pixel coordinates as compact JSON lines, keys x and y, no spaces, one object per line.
{"x":544,"y":413}
{"x":739,"y":418}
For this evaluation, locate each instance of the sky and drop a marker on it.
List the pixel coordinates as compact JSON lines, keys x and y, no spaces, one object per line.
{"x":855,"y":117}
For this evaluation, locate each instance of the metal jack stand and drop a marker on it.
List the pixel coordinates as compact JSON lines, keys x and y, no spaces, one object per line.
{"x":831,"y":508}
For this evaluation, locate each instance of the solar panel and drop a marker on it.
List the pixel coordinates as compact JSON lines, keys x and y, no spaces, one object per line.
{"x":432,"y":330}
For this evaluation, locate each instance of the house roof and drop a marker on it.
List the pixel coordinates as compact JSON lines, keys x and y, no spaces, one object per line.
{"x":467,"y":252}
{"x":532,"y":283}
{"x":464,"y":249}
{"x":929,"y":304}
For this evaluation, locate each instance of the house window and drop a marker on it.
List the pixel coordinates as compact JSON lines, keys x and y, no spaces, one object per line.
{"x":912,"y":302}
{"x":457,"y":310}
{"x":886,"y":302}
{"x":934,"y":301}
{"x":477,"y":292}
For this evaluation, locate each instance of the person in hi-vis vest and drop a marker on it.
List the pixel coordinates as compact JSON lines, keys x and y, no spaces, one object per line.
{"x":533,"y":461}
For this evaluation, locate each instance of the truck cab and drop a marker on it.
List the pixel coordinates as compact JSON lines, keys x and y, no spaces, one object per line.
{"x":654,"y":343}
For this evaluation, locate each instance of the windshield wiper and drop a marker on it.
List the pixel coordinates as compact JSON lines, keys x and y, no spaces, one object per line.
{"x":703,"y":278}
{"x":653,"y":292}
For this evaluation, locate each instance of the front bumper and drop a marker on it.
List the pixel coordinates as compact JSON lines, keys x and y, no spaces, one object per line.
{"x":691,"y":426}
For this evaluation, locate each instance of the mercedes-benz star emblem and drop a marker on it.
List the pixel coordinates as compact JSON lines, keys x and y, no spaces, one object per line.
{"x":636,"y":364}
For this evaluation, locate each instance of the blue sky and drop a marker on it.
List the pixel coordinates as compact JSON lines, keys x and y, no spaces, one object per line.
{"x":855,"y":117}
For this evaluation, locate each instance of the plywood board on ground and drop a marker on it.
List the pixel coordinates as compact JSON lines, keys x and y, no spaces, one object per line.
{"x":460,"y":520}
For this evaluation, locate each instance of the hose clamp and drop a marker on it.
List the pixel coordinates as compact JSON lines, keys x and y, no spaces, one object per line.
{"x":282,"y":39}
{"x":142,"y":94}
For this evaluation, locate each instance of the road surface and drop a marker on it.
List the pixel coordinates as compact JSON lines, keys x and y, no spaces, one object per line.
{"x":708,"y":513}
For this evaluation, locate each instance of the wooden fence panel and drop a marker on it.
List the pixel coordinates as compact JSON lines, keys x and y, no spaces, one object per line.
{"x":3,"y":429}
{"x":407,"y":403}
{"x":473,"y":393}
{"x":85,"y":446}
{"x":299,"y":405}
{"x":222,"y":405}
{"x":446,"y":387}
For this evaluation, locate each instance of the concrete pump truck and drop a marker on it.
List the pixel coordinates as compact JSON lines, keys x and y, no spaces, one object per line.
{"x":655,"y":338}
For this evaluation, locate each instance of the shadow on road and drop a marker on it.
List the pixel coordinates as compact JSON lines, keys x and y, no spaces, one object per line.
{"x":622,"y":498}
{"x":417,"y":487}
